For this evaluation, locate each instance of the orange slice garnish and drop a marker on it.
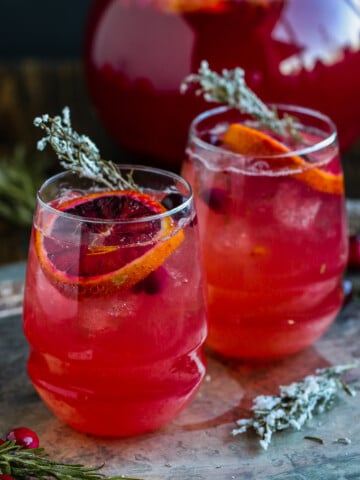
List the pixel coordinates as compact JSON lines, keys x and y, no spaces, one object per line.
{"x":249,"y":141}
{"x":188,"y":6}
{"x":84,"y":258}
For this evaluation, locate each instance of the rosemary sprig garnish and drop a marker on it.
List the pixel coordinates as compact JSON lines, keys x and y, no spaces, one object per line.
{"x":295,"y":404}
{"x":78,"y":153}
{"x":231,"y":89}
{"x":34,"y":463}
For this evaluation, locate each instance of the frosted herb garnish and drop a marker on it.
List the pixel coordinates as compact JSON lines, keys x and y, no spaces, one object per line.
{"x":78,"y":153}
{"x":295,"y":404}
{"x":230,"y":88}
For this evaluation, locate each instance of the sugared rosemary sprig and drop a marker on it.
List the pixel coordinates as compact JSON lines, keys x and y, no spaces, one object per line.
{"x":78,"y":153}
{"x":295,"y":404}
{"x":34,"y":463}
{"x":231,"y":89}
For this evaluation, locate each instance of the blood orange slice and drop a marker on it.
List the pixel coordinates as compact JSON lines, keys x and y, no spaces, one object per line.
{"x":249,"y":141}
{"x":112,"y":247}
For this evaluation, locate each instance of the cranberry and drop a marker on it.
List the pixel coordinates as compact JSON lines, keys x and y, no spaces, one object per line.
{"x":23,"y":436}
{"x":211,"y":138}
{"x":216,"y":198}
{"x":354,"y":252}
{"x":5,"y":476}
{"x":194,"y":221}
{"x":173,"y":200}
{"x":154,"y":283}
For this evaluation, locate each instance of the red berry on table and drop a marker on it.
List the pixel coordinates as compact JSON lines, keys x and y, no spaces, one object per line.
{"x":23,"y":436}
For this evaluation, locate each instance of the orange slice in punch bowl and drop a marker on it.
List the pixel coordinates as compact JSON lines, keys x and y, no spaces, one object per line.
{"x":249,"y":141}
{"x":189,"y":6}
{"x":106,"y":256}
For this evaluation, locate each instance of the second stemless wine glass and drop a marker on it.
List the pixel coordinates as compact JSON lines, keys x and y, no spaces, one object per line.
{"x":114,"y":304}
{"x":273,"y":232}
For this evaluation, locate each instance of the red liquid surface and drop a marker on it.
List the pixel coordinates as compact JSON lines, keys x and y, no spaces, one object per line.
{"x":302,"y":52}
{"x":123,"y":363}
{"x":275,"y":250}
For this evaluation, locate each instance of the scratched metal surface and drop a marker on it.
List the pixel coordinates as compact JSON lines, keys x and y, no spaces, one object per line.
{"x":11,"y":289}
{"x":198,"y":444}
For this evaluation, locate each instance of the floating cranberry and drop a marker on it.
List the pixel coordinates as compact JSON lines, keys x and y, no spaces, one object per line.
{"x":217,"y":199}
{"x":211,"y":138}
{"x":354,"y":252}
{"x":154,"y":283}
{"x":173,"y":200}
{"x":194,"y":221}
{"x":23,"y":436}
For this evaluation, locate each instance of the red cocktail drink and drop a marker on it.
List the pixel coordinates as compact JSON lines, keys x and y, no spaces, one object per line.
{"x":273,"y":230}
{"x":114,"y":309}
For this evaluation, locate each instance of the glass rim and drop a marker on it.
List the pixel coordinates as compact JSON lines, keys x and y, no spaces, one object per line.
{"x":330,"y":139}
{"x":126,"y":166}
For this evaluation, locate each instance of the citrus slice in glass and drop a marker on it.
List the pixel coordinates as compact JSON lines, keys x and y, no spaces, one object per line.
{"x":249,"y":141}
{"x":105,"y":242}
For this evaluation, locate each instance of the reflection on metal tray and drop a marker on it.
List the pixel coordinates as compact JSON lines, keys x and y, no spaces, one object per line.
{"x":353,"y":211}
{"x":11,"y":297}
{"x":11,"y":289}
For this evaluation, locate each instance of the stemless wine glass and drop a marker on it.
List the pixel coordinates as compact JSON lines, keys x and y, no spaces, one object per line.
{"x":273,"y":230}
{"x":114,"y":302}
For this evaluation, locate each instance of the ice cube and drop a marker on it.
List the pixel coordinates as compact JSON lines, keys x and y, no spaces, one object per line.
{"x":293,"y":209}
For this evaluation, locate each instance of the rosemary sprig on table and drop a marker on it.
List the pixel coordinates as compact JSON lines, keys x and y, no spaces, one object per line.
{"x":231,"y":89}
{"x":295,"y":404}
{"x":78,"y":153}
{"x":34,"y":463}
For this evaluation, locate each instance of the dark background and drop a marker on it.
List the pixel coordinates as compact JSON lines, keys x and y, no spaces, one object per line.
{"x":43,"y":29}
{"x":41,"y":71}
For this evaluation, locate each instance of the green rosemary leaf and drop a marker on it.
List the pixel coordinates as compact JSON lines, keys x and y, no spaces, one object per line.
{"x":230,"y":88}
{"x":346,"y":388}
{"x":34,"y":463}
{"x":314,"y":439}
{"x":78,"y":153}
